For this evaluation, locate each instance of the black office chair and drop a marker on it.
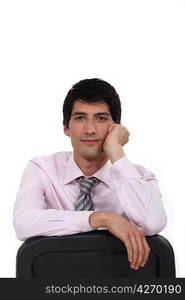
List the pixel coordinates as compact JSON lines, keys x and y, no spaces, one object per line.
{"x":95,"y":254}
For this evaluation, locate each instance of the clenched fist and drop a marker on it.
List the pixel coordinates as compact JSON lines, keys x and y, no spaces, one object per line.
{"x":116,"y":138}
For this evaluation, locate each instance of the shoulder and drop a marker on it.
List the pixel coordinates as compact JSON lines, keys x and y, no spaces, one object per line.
{"x":144,"y":172}
{"x":52,"y":160}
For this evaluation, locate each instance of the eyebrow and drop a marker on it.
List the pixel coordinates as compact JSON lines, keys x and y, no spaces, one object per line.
{"x":97,"y":114}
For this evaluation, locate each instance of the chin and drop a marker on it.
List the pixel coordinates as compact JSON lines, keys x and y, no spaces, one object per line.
{"x":90,"y":154}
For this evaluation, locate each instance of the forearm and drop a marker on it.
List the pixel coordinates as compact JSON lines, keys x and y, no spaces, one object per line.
{"x":142,"y":205}
{"x":115,"y":152}
{"x":139,"y":195}
{"x":49,"y":222}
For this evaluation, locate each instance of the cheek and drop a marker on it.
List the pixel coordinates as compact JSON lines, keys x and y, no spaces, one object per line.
{"x":104,"y":130}
{"x":76,"y":132}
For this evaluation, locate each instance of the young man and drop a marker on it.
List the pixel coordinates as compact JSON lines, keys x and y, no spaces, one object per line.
{"x":95,"y":186}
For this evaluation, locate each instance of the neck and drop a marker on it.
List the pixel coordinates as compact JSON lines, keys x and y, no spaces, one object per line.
{"x":89,"y":166}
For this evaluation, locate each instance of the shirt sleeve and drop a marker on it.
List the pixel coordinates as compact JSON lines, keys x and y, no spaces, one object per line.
{"x":138,"y":191}
{"x":31,"y":216}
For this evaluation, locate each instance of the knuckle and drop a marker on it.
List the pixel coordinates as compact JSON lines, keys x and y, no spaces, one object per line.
{"x":139,"y":261}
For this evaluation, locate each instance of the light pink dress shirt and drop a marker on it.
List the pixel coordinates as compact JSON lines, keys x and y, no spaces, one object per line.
{"x":48,"y":191}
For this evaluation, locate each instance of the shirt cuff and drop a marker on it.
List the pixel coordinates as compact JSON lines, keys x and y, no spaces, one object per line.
{"x":81,"y":221}
{"x":125,"y":169}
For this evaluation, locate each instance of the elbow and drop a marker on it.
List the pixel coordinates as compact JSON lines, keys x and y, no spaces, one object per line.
{"x":155,"y":226}
{"x":21,"y":229}
{"x":19,"y":234}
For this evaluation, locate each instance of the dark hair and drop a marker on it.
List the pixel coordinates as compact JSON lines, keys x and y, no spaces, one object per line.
{"x":92,"y":91}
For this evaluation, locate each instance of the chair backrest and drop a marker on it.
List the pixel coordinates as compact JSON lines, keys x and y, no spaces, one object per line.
{"x":95,"y":254}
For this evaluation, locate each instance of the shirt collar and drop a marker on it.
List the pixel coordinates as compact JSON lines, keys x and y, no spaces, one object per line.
{"x":73,"y":171}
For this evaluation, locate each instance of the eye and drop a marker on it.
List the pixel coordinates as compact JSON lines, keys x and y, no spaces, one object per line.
{"x":101,"y":118}
{"x":79,"y":118}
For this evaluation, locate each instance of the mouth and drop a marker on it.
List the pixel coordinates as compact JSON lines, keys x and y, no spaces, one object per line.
{"x":90,"y":141}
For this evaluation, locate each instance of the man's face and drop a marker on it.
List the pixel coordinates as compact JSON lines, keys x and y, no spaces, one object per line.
{"x":88,"y":128}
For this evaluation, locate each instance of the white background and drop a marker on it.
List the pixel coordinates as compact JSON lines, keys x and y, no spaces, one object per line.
{"x":138,"y":46}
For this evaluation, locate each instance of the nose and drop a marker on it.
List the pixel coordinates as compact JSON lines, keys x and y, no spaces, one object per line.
{"x":90,"y":127}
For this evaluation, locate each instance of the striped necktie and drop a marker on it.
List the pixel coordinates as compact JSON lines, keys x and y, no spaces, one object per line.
{"x":84,"y":201}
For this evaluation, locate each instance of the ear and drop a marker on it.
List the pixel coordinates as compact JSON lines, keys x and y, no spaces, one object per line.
{"x":66,"y":130}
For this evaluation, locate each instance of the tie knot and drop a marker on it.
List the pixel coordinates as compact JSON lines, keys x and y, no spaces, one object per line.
{"x":86,"y":184}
